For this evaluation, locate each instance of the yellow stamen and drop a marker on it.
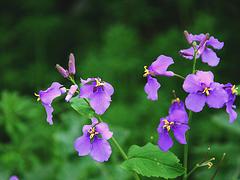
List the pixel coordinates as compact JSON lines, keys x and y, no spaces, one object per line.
{"x":176,"y":100}
{"x":234,"y":89}
{"x":99,"y":83}
{"x":206,"y":91}
{"x":167,"y":124}
{"x":146,"y":71}
{"x":92,"y":132}
{"x":37,"y":95}
{"x":209,"y":164}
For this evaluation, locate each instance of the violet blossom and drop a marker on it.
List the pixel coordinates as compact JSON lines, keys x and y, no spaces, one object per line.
{"x":71,"y":67}
{"x":14,"y":178}
{"x":207,"y":54}
{"x":47,"y":96}
{"x":232,"y":93}
{"x":94,"y":142}
{"x":157,"y":68}
{"x":98,"y":92}
{"x":177,"y":121}
{"x":202,"y":89}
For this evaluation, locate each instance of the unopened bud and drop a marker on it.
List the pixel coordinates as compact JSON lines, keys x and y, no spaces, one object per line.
{"x":187,"y":36}
{"x":71,"y":64}
{"x":62,"y":71}
{"x":71,"y":92}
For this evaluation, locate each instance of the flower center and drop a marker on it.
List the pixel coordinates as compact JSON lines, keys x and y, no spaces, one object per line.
{"x":37,"y":95}
{"x":176,"y":100}
{"x":206,"y":91}
{"x":167,"y":125}
{"x":99,"y":82}
{"x":146,"y":71}
{"x":92,"y":132}
{"x":234,"y":89}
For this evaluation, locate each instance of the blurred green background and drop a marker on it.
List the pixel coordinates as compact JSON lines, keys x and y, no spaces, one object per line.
{"x":113,"y":40}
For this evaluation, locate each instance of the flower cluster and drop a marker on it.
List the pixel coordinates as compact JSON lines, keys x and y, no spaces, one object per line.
{"x":98,"y":94}
{"x":200,"y":86}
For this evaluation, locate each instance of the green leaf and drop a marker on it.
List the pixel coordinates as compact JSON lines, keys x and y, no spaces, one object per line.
{"x":149,"y":161}
{"x":222,"y":120}
{"x":82,"y":107}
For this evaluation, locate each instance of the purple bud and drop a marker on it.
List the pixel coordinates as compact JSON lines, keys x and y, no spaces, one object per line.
{"x":71,"y":92}
{"x":62,"y":71}
{"x":71,"y":64}
{"x":187,"y":37}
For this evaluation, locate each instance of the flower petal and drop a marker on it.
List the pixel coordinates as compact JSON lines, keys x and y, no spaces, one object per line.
{"x":210,"y":57}
{"x":49,"y":111}
{"x":187,"y":53}
{"x":191,"y":84}
{"x":108,"y":88}
{"x":101,"y":150}
{"x":232,"y":114}
{"x":217,"y":98}
{"x":83,"y":145}
{"x":151,"y":88}
{"x":100,"y":101}
{"x":160,"y":66}
{"x":178,"y":116}
{"x":165,"y":142}
{"x":103,"y":129}
{"x":179,"y":132}
{"x":195,"y":102}
{"x":205,"y":77}
{"x":86,"y":91}
{"x":51,"y":93}
{"x":215,"y":43}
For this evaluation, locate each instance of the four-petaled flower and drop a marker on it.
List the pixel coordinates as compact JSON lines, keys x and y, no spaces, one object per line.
{"x":98,"y":92}
{"x":232,"y":93}
{"x":207,"y":54}
{"x":94,"y":141}
{"x":177,"y":121}
{"x":202,"y":89}
{"x":47,"y":96}
{"x":157,"y":68}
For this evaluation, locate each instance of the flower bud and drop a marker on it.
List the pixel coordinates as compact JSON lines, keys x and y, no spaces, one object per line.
{"x":62,"y":71}
{"x":71,"y":64}
{"x":71,"y":92}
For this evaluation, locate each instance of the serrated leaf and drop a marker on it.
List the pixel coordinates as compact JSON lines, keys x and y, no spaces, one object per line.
{"x":82,"y":107}
{"x":149,"y":161}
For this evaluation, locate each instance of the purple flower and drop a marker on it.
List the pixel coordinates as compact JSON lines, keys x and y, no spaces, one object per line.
{"x":71,"y":92}
{"x":232,"y":93}
{"x":94,"y":141}
{"x":48,"y":96}
{"x":13,"y":178}
{"x":157,"y":68}
{"x":202,"y":89}
{"x":177,"y":121}
{"x":203,"y":50}
{"x":71,"y":67}
{"x":98,"y":92}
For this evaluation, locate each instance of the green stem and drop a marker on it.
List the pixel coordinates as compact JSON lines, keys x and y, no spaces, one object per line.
{"x":218,"y":166}
{"x":179,"y":76}
{"x":185,"y":161}
{"x":193,"y":169}
{"x":124,"y":155}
